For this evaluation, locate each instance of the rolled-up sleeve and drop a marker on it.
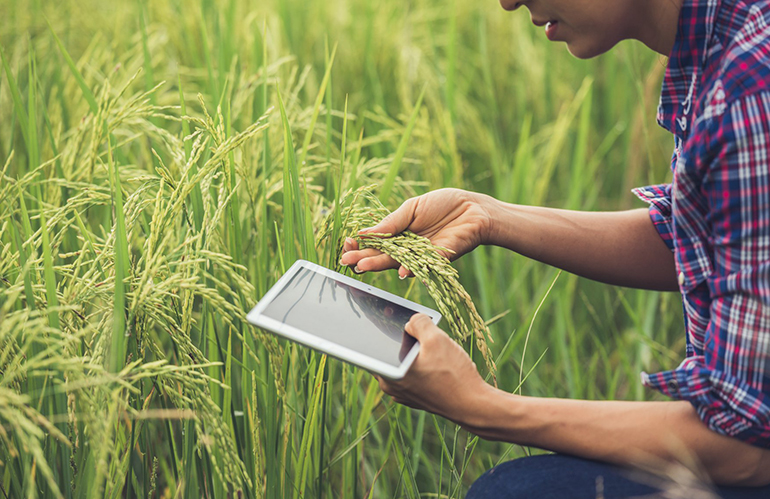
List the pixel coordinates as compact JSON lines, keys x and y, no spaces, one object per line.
{"x":727,"y":377}
{"x":659,"y":199}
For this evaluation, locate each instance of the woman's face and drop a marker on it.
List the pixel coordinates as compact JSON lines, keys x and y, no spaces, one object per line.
{"x":589,"y":27}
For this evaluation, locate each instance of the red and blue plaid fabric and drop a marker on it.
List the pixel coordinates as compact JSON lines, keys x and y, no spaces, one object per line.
{"x":715,"y":216}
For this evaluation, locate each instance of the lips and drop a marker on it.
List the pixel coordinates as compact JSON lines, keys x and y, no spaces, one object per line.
{"x":543,"y":22}
{"x":550,"y":29}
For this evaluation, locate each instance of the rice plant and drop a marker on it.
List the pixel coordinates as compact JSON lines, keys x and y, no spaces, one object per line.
{"x":419,"y":255}
{"x":162,"y":163}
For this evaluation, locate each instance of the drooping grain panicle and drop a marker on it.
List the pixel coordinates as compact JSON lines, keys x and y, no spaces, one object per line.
{"x":205,"y":233}
{"x":361,"y":209}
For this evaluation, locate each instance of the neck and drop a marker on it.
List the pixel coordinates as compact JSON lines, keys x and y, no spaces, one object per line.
{"x":657,"y":24}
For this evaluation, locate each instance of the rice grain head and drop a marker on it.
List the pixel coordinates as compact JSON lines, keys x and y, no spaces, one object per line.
{"x":361,"y":209}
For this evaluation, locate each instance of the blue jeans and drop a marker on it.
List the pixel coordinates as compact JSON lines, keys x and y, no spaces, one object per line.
{"x":559,"y":476}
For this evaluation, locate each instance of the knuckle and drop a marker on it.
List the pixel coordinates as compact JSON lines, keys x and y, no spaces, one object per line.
{"x":422,"y":322}
{"x":417,"y":319}
{"x":410,"y":207}
{"x":428,"y":343}
{"x":409,"y":202}
{"x":387,"y":219}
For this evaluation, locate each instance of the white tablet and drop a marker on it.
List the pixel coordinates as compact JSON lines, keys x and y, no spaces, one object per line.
{"x":342,"y":317}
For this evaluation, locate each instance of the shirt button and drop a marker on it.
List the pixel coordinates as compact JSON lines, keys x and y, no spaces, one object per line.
{"x":681,"y":278}
{"x":672,"y":384}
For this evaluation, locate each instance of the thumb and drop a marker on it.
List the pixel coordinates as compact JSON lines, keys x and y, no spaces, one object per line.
{"x":420,"y":326}
{"x":396,"y":222}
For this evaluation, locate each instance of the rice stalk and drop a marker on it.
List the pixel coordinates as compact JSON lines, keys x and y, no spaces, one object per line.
{"x":416,"y":253}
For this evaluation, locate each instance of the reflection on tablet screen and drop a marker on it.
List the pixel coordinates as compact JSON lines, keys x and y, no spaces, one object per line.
{"x":345,"y":315}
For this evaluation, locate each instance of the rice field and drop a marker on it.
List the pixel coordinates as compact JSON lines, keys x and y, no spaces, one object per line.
{"x":162,"y":163}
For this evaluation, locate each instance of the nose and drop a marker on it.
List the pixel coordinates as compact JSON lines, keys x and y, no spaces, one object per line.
{"x":510,"y":4}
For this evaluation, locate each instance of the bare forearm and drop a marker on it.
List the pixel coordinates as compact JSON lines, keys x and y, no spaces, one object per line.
{"x":624,"y":433}
{"x":621,"y":248}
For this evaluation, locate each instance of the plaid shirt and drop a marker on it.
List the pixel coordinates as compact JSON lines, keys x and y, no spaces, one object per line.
{"x":715,"y":216}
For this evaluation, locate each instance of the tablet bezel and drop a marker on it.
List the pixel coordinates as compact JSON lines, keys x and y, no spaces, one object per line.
{"x":256,"y":317}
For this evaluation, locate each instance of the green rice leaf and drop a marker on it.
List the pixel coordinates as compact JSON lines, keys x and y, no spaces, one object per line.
{"x":316,"y":107}
{"x":309,"y":430}
{"x":50,"y":277}
{"x":291,"y":193}
{"x":33,"y":151}
{"x":16,"y":96}
{"x":395,"y":166}
{"x":119,"y":331}
{"x":87,"y":93}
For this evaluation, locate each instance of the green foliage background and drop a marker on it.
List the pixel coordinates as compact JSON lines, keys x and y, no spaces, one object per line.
{"x":163,"y":162}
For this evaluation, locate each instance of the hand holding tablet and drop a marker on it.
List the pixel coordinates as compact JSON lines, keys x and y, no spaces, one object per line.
{"x":342,"y":317}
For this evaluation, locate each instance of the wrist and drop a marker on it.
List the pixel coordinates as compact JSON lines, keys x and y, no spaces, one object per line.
{"x":512,"y":226}
{"x":486,"y":409}
{"x":491,"y":208}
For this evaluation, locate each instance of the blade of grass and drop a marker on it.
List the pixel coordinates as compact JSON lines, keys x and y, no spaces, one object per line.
{"x":558,"y":137}
{"x":451,"y":71}
{"x":49,"y":277}
{"x":354,"y":161}
{"x":117,"y":357}
{"x":28,"y":293}
{"x":395,"y":166}
{"x":264,"y":222}
{"x":204,"y":34}
{"x":33,"y":150}
{"x":196,"y":195}
{"x":292,"y":200}
{"x":54,"y":148}
{"x":278,"y":246}
{"x":148,"y":76}
{"x":529,"y":330}
{"x":404,"y":462}
{"x":329,"y":123}
{"x":316,"y":108}
{"x":309,"y":430}
{"x":16,"y":96}
{"x":337,"y":193}
{"x":87,"y":93}
{"x":59,"y":398}
{"x":228,"y":393}
{"x":308,"y":249}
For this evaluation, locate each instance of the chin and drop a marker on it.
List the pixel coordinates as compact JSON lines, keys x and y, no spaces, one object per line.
{"x":589,"y":50}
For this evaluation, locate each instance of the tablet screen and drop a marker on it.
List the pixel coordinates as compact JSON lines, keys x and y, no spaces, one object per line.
{"x":348,"y":316}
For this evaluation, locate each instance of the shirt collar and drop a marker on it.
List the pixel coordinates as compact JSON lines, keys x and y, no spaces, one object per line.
{"x":696,"y":23}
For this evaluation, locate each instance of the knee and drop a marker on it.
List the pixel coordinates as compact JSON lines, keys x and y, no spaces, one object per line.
{"x":555,"y":476}
{"x":485,"y":486}
{"x":517,"y":479}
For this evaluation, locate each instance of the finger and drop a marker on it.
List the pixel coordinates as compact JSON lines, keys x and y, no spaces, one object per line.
{"x":353,"y":257}
{"x":383,"y":384}
{"x":397,"y":222}
{"x":350,"y":245}
{"x":421,"y":327}
{"x":404,"y":272}
{"x":378,"y":262}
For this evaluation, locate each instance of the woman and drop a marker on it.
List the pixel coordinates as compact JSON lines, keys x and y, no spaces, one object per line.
{"x":706,"y":235}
